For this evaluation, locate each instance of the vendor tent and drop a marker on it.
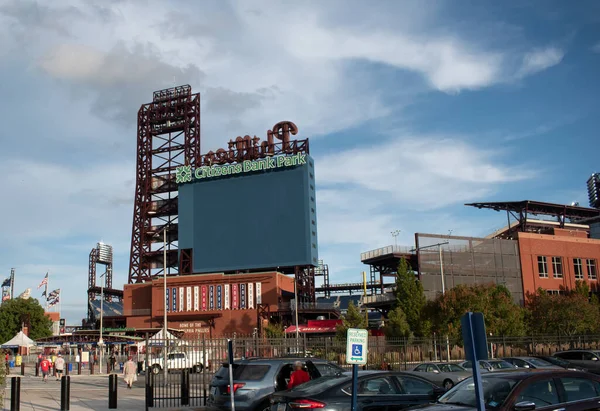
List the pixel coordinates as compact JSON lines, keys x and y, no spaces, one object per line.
{"x":159,"y":339}
{"x":19,"y":340}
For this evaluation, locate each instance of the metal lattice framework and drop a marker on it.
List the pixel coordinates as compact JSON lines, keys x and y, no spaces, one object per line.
{"x":101,"y":254}
{"x":168,"y":137}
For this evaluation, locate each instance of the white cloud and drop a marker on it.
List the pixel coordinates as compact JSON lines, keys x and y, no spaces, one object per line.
{"x":540,"y":60}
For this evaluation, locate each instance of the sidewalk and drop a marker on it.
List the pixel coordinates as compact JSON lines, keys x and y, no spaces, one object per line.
{"x":87,"y":393}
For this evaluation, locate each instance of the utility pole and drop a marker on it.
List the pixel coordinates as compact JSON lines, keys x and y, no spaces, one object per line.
{"x":395,"y":234}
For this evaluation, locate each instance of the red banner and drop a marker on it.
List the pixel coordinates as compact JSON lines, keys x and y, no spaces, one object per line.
{"x":234,"y":296}
{"x":204,"y":298}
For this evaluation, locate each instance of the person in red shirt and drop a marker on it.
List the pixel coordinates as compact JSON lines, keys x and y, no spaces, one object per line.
{"x":45,"y":368}
{"x":299,"y":376}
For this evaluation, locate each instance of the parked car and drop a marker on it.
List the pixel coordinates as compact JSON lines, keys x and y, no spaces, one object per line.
{"x":560,"y":362}
{"x":377,"y":390}
{"x":525,"y":391}
{"x":254,"y":380}
{"x":490,"y":365}
{"x":587,"y":359}
{"x":446,"y":375}
{"x":531,"y":363}
{"x":193,"y":360}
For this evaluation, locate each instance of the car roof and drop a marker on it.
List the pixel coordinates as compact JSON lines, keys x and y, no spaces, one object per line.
{"x":278,"y":360}
{"x":521,"y":375}
{"x":576,"y":350}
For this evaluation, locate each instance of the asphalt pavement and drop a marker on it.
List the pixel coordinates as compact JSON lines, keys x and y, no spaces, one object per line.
{"x":91,"y":393}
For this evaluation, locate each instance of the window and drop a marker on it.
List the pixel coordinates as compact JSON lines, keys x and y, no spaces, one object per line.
{"x":422,"y":368}
{"x":542,"y":266}
{"x":577,"y":389}
{"x":328,"y":369}
{"x":557,"y":267}
{"x":542,"y":393}
{"x":569,"y":355}
{"x":412,"y":386}
{"x":591,"y":266}
{"x":554,"y":292}
{"x":377,"y":386}
{"x":578,"y":268}
{"x":588,"y":356}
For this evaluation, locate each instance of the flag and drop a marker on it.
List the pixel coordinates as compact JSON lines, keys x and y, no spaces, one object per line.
{"x":44,"y":293}
{"x":6,"y":282}
{"x":53,"y":294}
{"x":44,"y":282}
{"x":5,"y":295}
{"x":54,"y":302}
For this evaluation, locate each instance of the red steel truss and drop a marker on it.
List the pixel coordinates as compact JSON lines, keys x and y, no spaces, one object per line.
{"x":168,"y":137}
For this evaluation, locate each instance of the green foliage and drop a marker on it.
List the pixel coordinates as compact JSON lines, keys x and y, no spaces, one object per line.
{"x":502,"y":315}
{"x":569,"y":314}
{"x":11,"y":319}
{"x":410,"y":298}
{"x":274,"y":331}
{"x":352,"y":319}
{"x":396,"y":325}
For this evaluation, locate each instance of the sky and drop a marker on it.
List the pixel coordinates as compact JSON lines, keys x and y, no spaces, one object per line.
{"x":412,"y":108}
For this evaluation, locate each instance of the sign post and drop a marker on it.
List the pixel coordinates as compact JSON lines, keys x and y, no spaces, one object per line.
{"x":231,"y":389}
{"x":475,"y":342}
{"x":356,"y":354}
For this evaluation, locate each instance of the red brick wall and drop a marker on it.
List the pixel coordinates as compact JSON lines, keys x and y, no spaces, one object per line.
{"x":564,"y":245}
{"x":143,"y":304}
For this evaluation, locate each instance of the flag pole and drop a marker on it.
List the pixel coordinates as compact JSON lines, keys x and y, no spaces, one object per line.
{"x":12,"y":283}
{"x":47,"y":282}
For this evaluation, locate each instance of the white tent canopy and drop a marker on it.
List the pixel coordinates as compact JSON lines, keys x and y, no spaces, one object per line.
{"x":158,"y":339}
{"x":19,"y":340}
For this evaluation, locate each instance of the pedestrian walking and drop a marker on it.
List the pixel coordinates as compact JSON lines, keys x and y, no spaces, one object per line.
{"x":113,"y":361}
{"x":45,"y":368}
{"x":130,"y":372}
{"x":7,"y":361}
{"x":59,"y":366}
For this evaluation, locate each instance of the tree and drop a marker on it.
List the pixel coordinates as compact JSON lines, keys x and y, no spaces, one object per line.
{"x":12,"y":313}
{"x":352,"y":319}
{"x":568,"y":314}
{"x":502,"y":316}
{"x":274,"y":331}
{"x":396,"y":325}
{"x":410,"y":298}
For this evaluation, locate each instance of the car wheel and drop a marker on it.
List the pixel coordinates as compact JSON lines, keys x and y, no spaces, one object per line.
{"x":265,"y":406}
{"x":448,"y":384}
{"x":155,"y":369}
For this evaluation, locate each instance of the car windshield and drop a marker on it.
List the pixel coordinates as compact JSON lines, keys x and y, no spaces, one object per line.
{"x":495,"y":392}
{"x":557,"y":361}
{"x":538,"y":362}
{"x":244,"y":372}
{"x":501,"y":365}
{"x":451,"y":368}
{"x":320,"y":384}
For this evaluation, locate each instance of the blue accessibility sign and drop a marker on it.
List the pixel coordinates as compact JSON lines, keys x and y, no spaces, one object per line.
{"x":357,"y":350}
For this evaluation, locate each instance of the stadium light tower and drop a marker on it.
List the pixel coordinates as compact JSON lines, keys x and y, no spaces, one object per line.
{"x":395,"y":234}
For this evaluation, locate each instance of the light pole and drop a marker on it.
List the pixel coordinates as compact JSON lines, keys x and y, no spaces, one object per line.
{"x":165,"y":303}
{"x":395,"y":234}
{"x":100,"y":340}
{"x":297,"y":308}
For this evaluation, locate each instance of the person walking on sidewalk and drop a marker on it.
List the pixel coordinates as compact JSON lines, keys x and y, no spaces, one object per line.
{"x":45,"y":368}
{"x":59,"y":366}
{"x":130,"y":372}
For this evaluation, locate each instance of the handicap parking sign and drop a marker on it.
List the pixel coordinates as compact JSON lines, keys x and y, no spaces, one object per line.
{"x":356,"y":346}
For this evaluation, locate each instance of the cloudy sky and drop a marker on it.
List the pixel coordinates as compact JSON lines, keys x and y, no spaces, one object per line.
{"x":413,"y":108}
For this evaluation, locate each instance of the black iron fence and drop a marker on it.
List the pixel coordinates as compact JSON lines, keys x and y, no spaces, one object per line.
{"x":191,"y":362}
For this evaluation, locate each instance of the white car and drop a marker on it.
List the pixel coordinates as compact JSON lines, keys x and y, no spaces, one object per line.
{"x":193,"y":361}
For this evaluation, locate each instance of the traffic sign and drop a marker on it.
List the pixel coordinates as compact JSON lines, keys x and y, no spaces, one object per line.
{"x":356,"y":346}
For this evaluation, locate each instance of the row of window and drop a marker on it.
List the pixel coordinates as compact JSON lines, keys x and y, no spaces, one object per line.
{"x":557,"y":267}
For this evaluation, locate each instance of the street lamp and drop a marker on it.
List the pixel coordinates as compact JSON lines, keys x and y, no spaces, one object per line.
{"x":395,"y":234}
{"x":100,"y":340}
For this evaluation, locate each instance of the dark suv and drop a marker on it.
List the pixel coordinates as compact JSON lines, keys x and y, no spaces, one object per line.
{"x":254,"y":380}
{"x":588,"y":359}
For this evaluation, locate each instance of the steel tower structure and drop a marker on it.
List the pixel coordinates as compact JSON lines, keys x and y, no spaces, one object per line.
{"x":168,"y":136}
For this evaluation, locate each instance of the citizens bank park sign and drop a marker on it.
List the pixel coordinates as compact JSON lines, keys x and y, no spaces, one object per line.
{"x":186,"y":174}
{"x":244,"y":296}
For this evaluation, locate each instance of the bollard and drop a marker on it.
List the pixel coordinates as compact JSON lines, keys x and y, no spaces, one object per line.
{"x":91,"y":368}
{"x":185,"y":387}
{"x":112,"y":391}
{"x":37,"y":369}
{"x":79,"y":368}
{"x":149,"y":389}
{"x":22,"y":368}
{"x":66,"y":368}
{"x":15,"y":394}
{"x":65,"y":393}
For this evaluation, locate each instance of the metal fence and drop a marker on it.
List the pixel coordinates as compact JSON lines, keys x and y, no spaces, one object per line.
{"x":191,"y":363}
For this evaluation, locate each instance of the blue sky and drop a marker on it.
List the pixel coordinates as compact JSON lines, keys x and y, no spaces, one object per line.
{"x":413,"y":108}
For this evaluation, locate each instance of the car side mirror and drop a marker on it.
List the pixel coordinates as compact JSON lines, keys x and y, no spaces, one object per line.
{"x":526,"y":366}
{"x":436,"y":372}
{"x":594,"y":358}
{"x":524,"y":406}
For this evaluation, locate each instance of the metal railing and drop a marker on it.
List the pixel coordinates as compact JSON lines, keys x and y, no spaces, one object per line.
{"x":390,"y":249}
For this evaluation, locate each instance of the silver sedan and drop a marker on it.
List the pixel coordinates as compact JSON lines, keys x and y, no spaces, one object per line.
{"x":446,"y":375}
